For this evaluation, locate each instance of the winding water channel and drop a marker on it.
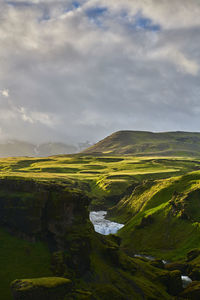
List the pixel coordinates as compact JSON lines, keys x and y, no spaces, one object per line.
{"x":105,"y":227}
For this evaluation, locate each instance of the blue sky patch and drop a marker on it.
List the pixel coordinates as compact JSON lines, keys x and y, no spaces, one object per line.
{"x":76,"y":4}
{"x":142,"y":22}
{"x":95,"y":12}
{"x":95,"y":15}
{"x":146,"y":23}
{"x":139,"y":21}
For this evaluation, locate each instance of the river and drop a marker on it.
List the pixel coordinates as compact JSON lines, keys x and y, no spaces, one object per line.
{"x":105,"y":227}
{"x":102,"y":225}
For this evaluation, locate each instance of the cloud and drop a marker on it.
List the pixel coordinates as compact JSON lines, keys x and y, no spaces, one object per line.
{"x":173,"y":55}
{"x":180,"y":14}
{"x":36,"y":117}
{"x":5,"y":93}
{"x":75,"y":71}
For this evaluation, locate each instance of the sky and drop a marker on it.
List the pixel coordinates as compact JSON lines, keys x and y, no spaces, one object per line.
{"x":73,"y":71}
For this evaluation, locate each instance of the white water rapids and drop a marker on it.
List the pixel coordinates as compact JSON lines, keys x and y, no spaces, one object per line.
{"x":103,"y":226}
{"x":185,"y":280}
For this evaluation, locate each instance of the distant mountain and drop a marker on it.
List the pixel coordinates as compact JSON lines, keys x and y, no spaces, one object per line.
{"x":21,"y":148}
{"x":55,"y":149}
{"x":148,"y":143}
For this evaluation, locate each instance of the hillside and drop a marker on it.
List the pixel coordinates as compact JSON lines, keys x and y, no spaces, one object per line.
{"x":142,"y":143}
{"x":108,"y":177}
{"x":162,"y":217}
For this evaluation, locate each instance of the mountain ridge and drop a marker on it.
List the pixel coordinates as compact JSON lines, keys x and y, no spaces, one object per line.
{"x":128,"y":142}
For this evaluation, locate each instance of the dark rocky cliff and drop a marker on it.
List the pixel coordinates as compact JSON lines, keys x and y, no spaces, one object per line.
{"x":50,"y":213}
{"x":95,"y":265}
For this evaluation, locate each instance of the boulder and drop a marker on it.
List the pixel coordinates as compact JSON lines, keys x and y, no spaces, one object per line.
{"x":177,"y":266}
{"x":195,"y":274}
{"x":158,"y":263}
{"x":172,"y":280}
{"x":49,"y":288}
{"x":193,"y":254}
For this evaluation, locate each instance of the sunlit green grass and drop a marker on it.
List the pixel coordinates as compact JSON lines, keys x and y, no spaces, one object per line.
{"x":105,"y":174}
{"x":170,"y":234}
{"x":74,"y":166}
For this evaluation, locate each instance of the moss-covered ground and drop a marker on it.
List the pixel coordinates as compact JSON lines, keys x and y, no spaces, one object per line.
{"x":162,"y":217}
{"x":21,"y":259}
{"x":108,"y":177}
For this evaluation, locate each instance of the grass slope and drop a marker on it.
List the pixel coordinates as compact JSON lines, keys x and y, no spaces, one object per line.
{"x":162,"y":217}
{"x":107,"y":178}
{"x":21,"y":259}
{"x":148,"y":143}
{"x":122,"y":277}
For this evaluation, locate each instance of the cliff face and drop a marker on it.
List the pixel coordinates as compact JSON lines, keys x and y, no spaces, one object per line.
{"x":49,"y":213}
{"x":95,"y":265}
{"x":53,"y":288}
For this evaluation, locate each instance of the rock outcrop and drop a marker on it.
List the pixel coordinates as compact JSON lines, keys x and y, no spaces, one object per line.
{"x":48,"y":212}
{"x":53,"y":288}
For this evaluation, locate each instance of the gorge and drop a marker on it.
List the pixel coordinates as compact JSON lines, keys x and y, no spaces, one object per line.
{"x":144,"y":210}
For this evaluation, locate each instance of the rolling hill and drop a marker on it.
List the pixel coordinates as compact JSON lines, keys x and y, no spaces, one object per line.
{"x":142,"y":143}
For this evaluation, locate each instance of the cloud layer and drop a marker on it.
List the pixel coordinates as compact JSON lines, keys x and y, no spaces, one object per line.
{"x":71,"y":71}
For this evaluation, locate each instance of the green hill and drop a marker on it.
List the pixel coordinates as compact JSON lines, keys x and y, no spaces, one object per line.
{"x":162,"y":217}
{"x":148,"y":143}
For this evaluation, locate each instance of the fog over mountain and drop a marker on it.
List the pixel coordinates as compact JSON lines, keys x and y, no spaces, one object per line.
{"x":12,"y":148}
{"x":73,"y":71}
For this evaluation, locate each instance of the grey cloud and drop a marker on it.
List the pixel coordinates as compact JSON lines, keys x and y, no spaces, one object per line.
{"x":71,"y":79}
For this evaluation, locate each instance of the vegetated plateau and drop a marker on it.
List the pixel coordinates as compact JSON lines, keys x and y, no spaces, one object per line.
{"x":48,"y":246}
